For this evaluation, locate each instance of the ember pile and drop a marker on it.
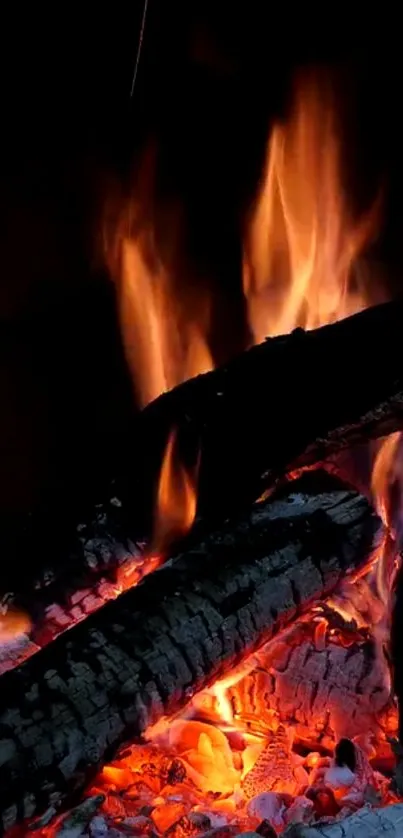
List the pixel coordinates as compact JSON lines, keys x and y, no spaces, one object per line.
{"x":301,"y":736}
{"x":298,"y":734}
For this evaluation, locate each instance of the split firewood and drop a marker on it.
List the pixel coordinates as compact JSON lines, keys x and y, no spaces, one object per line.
{"x":366,"y":823}
{"x":142,"y":656}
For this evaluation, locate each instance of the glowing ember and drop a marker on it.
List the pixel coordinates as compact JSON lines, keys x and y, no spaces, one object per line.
{"x":262,"y":744}
{"x":175,"y":510}
{"x":13,"y":625}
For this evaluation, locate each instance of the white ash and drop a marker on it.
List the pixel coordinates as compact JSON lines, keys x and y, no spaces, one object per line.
{"x":98,"y":827}
{"x":15,"y":651}
{"x":339,"y":776}
{"x":366,"y":823}
{"x":268,"y":806}
{"x":300,"y":811}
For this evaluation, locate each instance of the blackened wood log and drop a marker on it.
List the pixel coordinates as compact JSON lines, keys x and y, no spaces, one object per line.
{"x":288,"y":402}
{"x":143,"y":655}
{"x":83,"y":554}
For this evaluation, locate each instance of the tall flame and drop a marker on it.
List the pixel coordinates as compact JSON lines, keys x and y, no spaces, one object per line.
{"x":163,"y":348}
{"x":387,"y":490}
{"x":301,"y":243}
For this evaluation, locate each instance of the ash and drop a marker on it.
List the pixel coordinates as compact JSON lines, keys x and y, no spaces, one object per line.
{"x":297,"y":742}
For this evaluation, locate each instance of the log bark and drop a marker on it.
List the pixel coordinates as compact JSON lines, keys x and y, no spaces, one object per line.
{"x":286,"y":403}
{"x":325,"y":693}
{"x":366,"y":823}
{"x":95,"y":554}
{"x":142,"y":656}
{"x":272,"y":410}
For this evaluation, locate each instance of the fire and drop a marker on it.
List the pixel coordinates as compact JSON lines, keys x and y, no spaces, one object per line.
{"x":164,"y":322}
{"x":387,"y":480}
{"x":302,"y":244}
{"x":175,"y":512}
{"x":176,"y":499}
{"x":248,"y":749}
{"x":162,"y":347}
{"x":269,"y":729}
{"x":13,"y":625}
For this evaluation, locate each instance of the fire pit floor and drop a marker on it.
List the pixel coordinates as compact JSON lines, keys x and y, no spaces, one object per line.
{"x":298,"y":734}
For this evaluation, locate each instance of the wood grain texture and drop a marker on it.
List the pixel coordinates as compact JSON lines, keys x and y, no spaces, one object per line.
{"x":143,"y":655}
{"x":290,"y":402}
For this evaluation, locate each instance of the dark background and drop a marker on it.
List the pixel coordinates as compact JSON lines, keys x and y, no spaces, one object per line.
{"x":210,"y":81}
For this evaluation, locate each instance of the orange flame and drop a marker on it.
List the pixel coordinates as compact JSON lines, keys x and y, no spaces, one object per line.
{"x":302,"y":244}
{"x":176,"y":499}
{"x":387,"y":482}
{"x":13,"y":625}
{"x":163,"y":349}
{"x":387,"y":472}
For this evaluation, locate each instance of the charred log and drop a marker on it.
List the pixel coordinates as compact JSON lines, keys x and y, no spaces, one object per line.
{"x":324,"y":692}
{"x":143,"y":655}
{"x":80,"y":578}
{"x":224,"y":422}
{"x":271,"y":410}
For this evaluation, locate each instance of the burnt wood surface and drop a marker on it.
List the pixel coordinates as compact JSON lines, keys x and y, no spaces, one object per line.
{"x":143,"y":655}
{"x":324,"y":690}
{"x":288,"y":402}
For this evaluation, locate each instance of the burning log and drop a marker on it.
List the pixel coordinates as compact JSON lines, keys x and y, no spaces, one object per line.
{"x":143,"y":655}
{"x":366,"y":823}
{"x":222,"y":423}
{"x":270,"y":411}
{"x":323,"y":691}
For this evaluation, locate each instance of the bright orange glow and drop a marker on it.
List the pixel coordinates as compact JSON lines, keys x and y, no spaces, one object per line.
{"x":176,"y":499}
{"x":271,"y":724}
{"x":163,"y":347}
{"x":387,"y":471}
{"x":237,"y":739}
{"x":302,"y":244}
{"x":133,"y":571}
{"x":13,"y":624}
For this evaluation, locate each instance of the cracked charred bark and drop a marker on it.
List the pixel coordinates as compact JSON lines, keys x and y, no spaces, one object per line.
{"x":325,"y":692}
{"x":143,"y":655}
{"x":248,"y":424}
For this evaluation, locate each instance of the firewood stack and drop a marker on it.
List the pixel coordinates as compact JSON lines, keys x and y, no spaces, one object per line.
{"x":245,"y":572}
